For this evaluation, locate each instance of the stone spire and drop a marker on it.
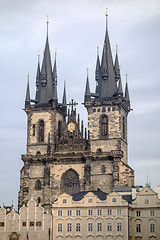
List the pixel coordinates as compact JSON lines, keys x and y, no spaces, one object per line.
{"x":45,"y":88}
{"x":64,"y":102}
{"x":116,"y":66}
{"x":107,"y":85}
{"x":27,"y":100}
{"x":38,"y":78}
{"x":55,"y":79}
{"x":97,"y":72}
{"x":87,"y":91}
{"x":127,"y":91}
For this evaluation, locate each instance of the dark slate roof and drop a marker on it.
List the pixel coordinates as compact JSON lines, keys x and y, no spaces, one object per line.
{"x":122,"y":189}
{"x":78,"y":196}
{"x":128,"y":198}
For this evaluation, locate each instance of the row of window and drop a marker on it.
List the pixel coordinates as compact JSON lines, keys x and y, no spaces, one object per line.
{"x":151,"y":213}
{"x":103,"y":127}
{"x":99,"y":212}
{"x":24,"y":224}
{"x":89,"y":199}
{"x":152,"y":227}
{"x":104,"y":109}
{"x":90,"y":227}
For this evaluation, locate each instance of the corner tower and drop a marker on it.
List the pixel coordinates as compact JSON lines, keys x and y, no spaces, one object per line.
{"x":44,"y":116}
{"x":108,"y":110}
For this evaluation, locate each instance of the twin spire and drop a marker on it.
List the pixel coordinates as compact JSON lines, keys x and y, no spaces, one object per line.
{"x":46,"y":79}
{"x":107,"y":74}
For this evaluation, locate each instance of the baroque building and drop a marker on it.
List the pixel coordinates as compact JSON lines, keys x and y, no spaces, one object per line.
{"x":62,"y":156}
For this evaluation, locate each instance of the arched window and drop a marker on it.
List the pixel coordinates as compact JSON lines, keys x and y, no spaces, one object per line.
{"x":104,"y":126}
{"x":41,"y":131}
{"x":70,"y":182}
{"x":124,"y":127}
{"x":38,"y":185}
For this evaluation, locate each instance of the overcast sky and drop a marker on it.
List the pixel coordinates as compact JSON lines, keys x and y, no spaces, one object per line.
{"x":75,"y":28}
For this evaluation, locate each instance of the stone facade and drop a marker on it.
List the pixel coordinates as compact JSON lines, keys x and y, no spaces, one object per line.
{"x":30,"y":223}
{"x":61,"y":155}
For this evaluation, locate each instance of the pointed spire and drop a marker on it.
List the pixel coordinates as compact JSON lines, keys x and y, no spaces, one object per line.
{"x":126,"y":90}
{"x":45,"y":88}
{"x":87,"y":96}
{"x":38,"y":79}
{"x":27,"y":100}
{"x":55,"y":79}
{"x":107,"y":86}
{"x":97,"y":66}
{"x":64,"y":102}
{"x":116,"y":66}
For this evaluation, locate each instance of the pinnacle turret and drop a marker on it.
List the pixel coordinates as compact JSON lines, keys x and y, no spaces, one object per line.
{"x":27,"y":100}
{"x":87,"y":90}
{"x":64,"y":101}
{"x":116,"y":66}
{"x":55,"y":79}
{"x":127,"y":91}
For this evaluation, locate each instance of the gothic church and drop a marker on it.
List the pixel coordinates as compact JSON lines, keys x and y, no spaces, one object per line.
{"x":62,"y":155}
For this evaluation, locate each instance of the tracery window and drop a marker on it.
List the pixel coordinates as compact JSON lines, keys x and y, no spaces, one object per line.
{"x":70,"y":182}
{"x":104,"y":126}
{"x":38,"y":185}
{"x":41,"y":131}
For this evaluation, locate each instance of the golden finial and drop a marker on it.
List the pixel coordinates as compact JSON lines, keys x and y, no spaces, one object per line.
{"x":47,"y":24}
{"x":116,"y":46}
{"x":106,"y":19}
{"x":38,"y":55}
{"x":97,"y":48}
{"x":87,"y":70}
{"x":106,"y":12}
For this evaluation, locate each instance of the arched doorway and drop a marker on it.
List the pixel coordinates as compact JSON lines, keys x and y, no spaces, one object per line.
{"x":14,"y":236}
{"x":70,"y":182}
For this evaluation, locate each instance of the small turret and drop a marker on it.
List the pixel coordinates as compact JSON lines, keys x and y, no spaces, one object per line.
{"x":97,"y":72}
{"x":127,"y":91}
{"x":116,"y":66}
{"x":27,"y":100}
{"x":87,"y":97}
{"x":55,"y":80}
{"x":64,"y":101}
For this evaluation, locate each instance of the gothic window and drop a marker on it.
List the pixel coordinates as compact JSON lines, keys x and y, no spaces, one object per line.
{"x":38,"y":185}
{"x":70,"y":182}
{"x":41,"y":131}
{"x":104,"y":126}
{"x":124,"y":128}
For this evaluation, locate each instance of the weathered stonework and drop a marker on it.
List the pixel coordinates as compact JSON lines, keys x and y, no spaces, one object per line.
{"x":61,"y":155}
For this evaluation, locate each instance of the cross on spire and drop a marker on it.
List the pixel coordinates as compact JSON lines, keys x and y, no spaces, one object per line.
{"x":72,"y":103}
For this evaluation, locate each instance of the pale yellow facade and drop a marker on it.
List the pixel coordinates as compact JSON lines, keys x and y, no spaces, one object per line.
{"x":90,"y":218}
{"x":145,"y":216}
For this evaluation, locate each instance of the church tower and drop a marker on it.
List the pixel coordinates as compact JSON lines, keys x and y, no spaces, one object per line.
{"x":62,"y":156}
{"x":108,"y":110}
